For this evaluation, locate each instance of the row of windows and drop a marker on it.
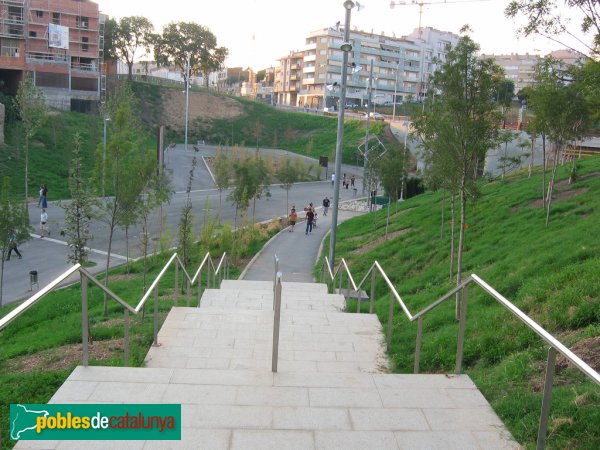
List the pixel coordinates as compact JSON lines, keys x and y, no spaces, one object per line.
{"x":81,"y":21}
{"x":85,"y":41}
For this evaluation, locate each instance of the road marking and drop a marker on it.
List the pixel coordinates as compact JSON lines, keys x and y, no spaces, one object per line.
{"x":92,"y":250}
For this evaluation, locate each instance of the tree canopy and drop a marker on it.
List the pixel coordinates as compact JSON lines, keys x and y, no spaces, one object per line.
{"x":127,"y":36}
{"x":181,"y":41}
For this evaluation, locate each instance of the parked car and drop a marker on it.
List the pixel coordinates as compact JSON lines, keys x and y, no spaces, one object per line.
{"x":376,"y":116}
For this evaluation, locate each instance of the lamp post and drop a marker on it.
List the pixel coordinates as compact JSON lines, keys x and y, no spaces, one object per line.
{"x":346,"y":47}
{"x":187,"y":99}
{"x":106,"y":119}
{"x":395,"y":91}
{"x":407,"y":124}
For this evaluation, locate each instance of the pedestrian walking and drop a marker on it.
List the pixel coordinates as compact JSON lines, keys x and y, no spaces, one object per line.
{"x":44,"y":196}
{"x":310,"y":216}
{"x":12,"y":246}
{"x":292,"y":218}
{"x":352,"y":179}
{"x":326,"y":204}
{"x":44,"y":223}
{"x":40,"y":199}
{"x":332,"y":179}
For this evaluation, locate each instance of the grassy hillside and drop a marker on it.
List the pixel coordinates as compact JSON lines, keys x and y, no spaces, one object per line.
{"x":550,"y":273}
{"x":250,"y":124}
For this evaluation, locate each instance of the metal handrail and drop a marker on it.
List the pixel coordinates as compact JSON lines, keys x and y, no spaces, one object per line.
{"x":555,"y":345}
{"x":85,"y":276}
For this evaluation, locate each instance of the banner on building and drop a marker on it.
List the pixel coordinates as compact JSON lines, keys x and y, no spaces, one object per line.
{"x":58,"y":36}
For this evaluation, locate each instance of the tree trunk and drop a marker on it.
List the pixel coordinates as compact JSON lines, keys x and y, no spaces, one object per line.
{"x":130,"y":70}
{"x":461,"y":239}
{"x":551,"y":186}
{"x":452,"y":232}
{"x":544,"y":169}
{"x":531,"y":156}
{"x":504,"y":160}
{"x":110,"y":236}
{"x":2,"y":276}
{"x":127,"y":247}
{"x":443,"y":207}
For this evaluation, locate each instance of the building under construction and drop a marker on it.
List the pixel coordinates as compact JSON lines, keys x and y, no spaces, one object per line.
{"x":60,"y":44}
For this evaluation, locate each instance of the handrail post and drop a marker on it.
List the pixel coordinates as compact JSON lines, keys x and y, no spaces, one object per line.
{"x":156,"y":316}
{"x":199,"y":288}
{"x":126,"y":338}
{"x":276,"y":322}
{"x":372,"y":300}
{"x":390,"y":322}
{"x":176,"y":283}
{"x":461,"y":329}
{"x":188,"y":289}
{"x":84,"y":319}
{"x":418,"y":344}
{"x":543,"y":428}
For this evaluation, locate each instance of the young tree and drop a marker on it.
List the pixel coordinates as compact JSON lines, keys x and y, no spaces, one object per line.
{"x":561,"y":108}
{"x":32,"y":110}
{"x":462,"y":124}
{"x":131,"y":34}
{"x":79,"y":211}
{"x":287,"y":174}
{"x":390,"y":170}
{"x":123,"y":159}
{"x":188,"y":42}
{"x":223,"y":172}
{"x":186,"y":222}
{"x":14,"y":225}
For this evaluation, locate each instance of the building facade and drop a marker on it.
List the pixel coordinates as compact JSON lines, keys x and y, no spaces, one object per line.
{"x":60,"y":43}
{"x":401,"y":67}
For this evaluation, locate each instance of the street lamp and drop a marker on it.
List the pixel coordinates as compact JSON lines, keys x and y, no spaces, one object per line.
{"x":187,"y":100}
{"x":346,"y":47}
{"x":106,"y":119}
{"x":396,"y":91}
{"x":407,"y":125}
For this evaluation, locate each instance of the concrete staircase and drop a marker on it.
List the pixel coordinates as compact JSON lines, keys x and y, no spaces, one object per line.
{"x":331,"y":390}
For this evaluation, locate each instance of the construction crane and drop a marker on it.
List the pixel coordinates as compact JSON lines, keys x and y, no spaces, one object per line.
{"x":421,"y":3}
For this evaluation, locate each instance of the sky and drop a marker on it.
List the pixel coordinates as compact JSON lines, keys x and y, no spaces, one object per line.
{"x":259,"y":32}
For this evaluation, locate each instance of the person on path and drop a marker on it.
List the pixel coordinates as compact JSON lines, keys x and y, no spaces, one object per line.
{"x":344,"y":181}
{"x":352,"y":179}
{"x":326,"y":204}
{"x":12,"y":245}
{"x":41,"y":195}
{"x":292,"y":218}
{"x":44,"y":196}
{"x":332,"y":179}
{"x":44,"y":223}
{"x":310,"y":216}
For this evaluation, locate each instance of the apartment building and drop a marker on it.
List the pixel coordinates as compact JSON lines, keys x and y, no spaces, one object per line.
{"x":60,"y":43}
{"x":401,"y":66}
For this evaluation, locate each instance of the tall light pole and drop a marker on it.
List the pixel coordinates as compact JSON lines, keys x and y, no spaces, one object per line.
{"x":396,"y":90}
{"x":106,"y":119}
{"x":187,"y":99}
{"x":346,"y":48}
{"x":366,"y":152}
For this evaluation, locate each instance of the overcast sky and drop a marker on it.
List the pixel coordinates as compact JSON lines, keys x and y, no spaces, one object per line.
{"x":259,"y":32}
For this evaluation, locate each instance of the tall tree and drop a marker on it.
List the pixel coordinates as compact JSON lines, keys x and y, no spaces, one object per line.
{"x":32,"y":110}
{"x":79,"y":211}
{"x":132,"y":33}
{"x":186,"y":222}
{"x":184,"y":43}
{"x":462,"y":124}
{"x":390,"y":170}
{"x":14,"y":225}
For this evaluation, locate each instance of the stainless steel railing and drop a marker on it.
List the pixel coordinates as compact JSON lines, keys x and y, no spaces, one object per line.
{"x":555,"y":346}
{"x":216,"y":273}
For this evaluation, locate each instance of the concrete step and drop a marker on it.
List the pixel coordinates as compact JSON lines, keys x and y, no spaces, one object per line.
{"x":310,"y":341}
{"x":286,"y":286}
{"x":235,"y":409}
{"x":263,"y":300}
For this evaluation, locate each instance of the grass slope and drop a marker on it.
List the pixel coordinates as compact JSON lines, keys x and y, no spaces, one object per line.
{"x":550,"y":273}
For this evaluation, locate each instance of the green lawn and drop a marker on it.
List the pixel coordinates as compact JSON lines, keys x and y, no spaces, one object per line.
{"x":550,"y":273}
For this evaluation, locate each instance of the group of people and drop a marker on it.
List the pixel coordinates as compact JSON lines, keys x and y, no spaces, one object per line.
{"x":311,"y":216}
{"x":346,"y":181}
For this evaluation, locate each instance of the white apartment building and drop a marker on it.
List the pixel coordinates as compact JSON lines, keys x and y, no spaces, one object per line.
{"x":401,"y":67}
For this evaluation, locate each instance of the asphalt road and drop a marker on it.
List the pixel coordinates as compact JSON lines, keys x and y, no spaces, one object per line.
{"x":48,"y":256}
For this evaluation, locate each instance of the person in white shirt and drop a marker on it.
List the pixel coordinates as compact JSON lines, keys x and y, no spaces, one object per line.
{"x":44,"y":223}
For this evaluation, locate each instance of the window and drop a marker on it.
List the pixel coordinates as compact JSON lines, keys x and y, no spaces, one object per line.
{"x":83,"y":22}
{"x":33,"y":34}
{"x":56,"y":18}
{"x":39,"y":14}
{"x":9,"y":47}
{"x":85,"y":44}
